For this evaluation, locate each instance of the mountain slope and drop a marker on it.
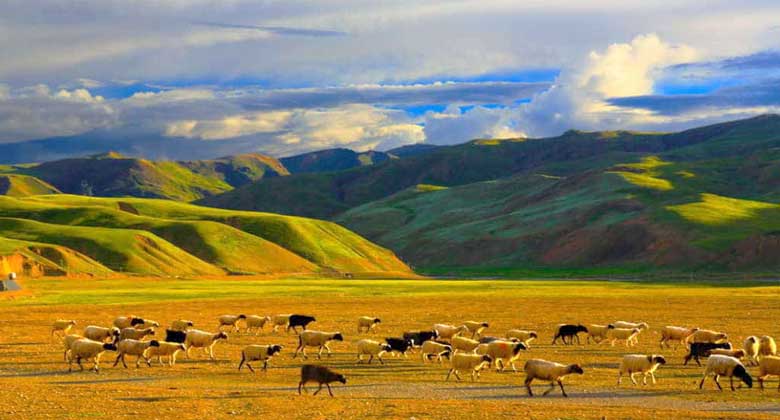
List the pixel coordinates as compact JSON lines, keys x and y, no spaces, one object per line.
{"x":22,"y":185}
{"x":238,"y":170}
{"x":332,"y":160}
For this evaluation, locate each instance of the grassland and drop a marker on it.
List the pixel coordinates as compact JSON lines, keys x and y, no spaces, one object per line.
{"x":33,"y":374}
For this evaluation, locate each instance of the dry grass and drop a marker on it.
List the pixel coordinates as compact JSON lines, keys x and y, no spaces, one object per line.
{"x":35,"y":381}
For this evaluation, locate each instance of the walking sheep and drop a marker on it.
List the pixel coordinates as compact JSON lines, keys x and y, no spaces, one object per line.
{"x":468,"y":362}
{"x":68,"y":341}
{"x":569,"y":331}
{"x":708,"y":336}
{"x":626,"y":334}
{"x":671,"y":333}
{"x":464,"y":344}
{"x":504,"y":352}
{"x":256,"y":322}
{"x":640,"y":363}
{"x":598,"y":332}
{"x":165,"y":348}
{"x":96,"y":333}
{"x":280,"y":321}
{"x":90,"y":350}
{"x":230,"y":321}
{"x":299,"y":321}
{"x":321,"y":375}
{"x":316,"y":339}
{"x":62,"y":326}
{"x":255,"y":352}
{"x":476,"y":327}
{"x":769,"y":365}
{"x":525,"y":336}
{"x":181,"y":325}
{"x":203,"y":339}
{"x":128,"y":321}
{"x":751,"y":346}
{"x":399,"y":345}
{"x":367,"y":323}
{"x":372,"y":349}
{"x":548,"y":371}
{"x":767,"y":346}
{"x":698,"y":350}
{"x":135,"y":334}
{"x":447,"y":331}
{"x":134,"y":348}
{"x":631,"y":325}
{"x":433,"y":348}
{"x":719,"y":365}
{"x":419,"y":337}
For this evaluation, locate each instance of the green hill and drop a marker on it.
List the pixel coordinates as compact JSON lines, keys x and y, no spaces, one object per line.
{"x":22,"y":185}
{"x":332,"y":160}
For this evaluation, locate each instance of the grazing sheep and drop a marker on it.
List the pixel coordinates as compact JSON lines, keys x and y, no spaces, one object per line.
{"x":88,"y":349}
{"x":134,"y":348}
{"x":751,"y":346}
{"x":769,"y":365}
{"x":256,"y":352}
{"x":720,"y":365}
{"x":280,"y":321}
{"x":476,"y":327}
{"x":148,"y":323}
{"x":447,"y":331}
{"x":468,"y":362}
{"x":135,"y":334}
{"x":548,"y":371}
{"x":67,"y":341}
{"x":373,"y":349}
{"x":316,"y":339}
{"x":96,"y":333}
{"x":206,"y":340}
{"x":399,"y":345}
{"x":256,"y":322}
{"x":504,"y":352}
{"x":525,"y":336}
{"x":321,"y":375}
{"x":735,"y":353}
{"x":464,"y":344}
{"x":767,"y":346}
{"x":181,"y":325}
{"x":698,"y":350}
{"x":172,"y":336}
{"x":419,"y":337}
{"x":62,"y":326}
{"x":128,"y":321}
{"x":676,"y":334}
{"x":489,"y":339}
{"x":640,"y":363}
{"x":631,"y":325}
{"x":629,"y":335}
{"x":367,"y":323}
{"x":433,"y":348}
{"x":569,"y":331}
{"x":299,"y":321}
{"x":707,"y":336}
{"x":165,"y":348}
{"x":230,"y":321}
{"x":598,"y":332}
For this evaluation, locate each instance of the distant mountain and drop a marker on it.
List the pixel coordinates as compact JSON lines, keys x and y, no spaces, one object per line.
{"x":412,"y":150}
{"x":332,"y":160}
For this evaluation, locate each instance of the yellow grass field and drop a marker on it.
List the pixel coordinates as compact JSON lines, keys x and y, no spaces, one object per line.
{"x":35,"y":383}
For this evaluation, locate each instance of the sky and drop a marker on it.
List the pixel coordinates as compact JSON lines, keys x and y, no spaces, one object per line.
{"x":287,"y":77}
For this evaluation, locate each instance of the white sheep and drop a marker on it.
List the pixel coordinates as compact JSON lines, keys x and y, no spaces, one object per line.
{"x":503,"y":353}
{"x":181,"y":325}
{"x":767,"y":346}
{"x":367,"y":323}
{"x":464,"y":344}
{"x":735,"y":353}
{"x":203,"y":339}
{"x":769,"y":365}
{"x":523,"y":335}
{"x":62,"y":326}
{"x":93,"y":332}
{"x":165,"y":348}
{"x":720,"y":365}
{"x":256,"y":322}
{"x":598,"y":332}
{"x":751,"y":346}
{"x":548,"y":371}
{"x":447,"y":331}
{"x":708,"y":336}
{"x":67,"y":341}
{"x":148,"y":323}
{"x":468,"y":362}
{"x":280,"y":321}
{"x":433,"y":348}
{"x":128,"y":321}
{"x":476,"y":327}
{"x":631,"y":325}
{"x":134,"y":348}
{"x":230,"y":321}
{"x":640,"y":363}
{"x":255,"y":352}
{"x":135,"y":334}
{"x":670,"y":333}
{"x":310,"y":338}
{"x":627,"y":334}
{"x":373,"y":349}
{"x":85,"y":348}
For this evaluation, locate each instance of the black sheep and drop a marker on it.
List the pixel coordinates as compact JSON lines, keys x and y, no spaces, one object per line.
{"x":570,"y":331}
{"x":419,"y":337}
{"x":400,"y":345}
{"x":703,"y":350}
{"x":173,"y":336}
{"x":299,"y":321}
{"x":321,"y":375}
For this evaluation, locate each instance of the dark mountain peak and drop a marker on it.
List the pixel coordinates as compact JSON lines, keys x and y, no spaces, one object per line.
{"x":107,"y":155}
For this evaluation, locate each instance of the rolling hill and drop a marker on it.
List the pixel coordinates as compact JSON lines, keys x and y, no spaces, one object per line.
{"x":332,"y":160}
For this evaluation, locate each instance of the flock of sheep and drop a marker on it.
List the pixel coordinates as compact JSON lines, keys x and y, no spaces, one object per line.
{"x":465,"y":346}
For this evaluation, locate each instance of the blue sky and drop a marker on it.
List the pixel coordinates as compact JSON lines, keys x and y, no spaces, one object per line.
{"x":285,"y":77}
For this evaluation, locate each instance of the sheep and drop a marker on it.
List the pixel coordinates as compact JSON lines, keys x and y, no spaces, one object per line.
{"x":128,"y":321}
{"x":256,"y":352}
{"x":489,"y":339}
{"x":598,"y":332}
{"x":629,"y":335}
{"x":471,"y":362}
{"x":173,"y":336}
{"x":525,"y":336}
{"x":476,"y":327}
{"x":321,"y":375}
{"x":399,"y":345}
{"x":447,"y":331}
{"x":640,"y":363}
{"x":280,"y":321}
{"x":134,"y":348}
{"x":165,"y":348}
{"x":181,"y":325}
{"x":372,"y":349}
{"x":570,"y":331}
{"x":676,"y":334}
{"x":62,"y":326}
{"x":504,"y":352}
{"x":316,"y":339}
{"x":767,"y":346}
{"x":230,"y":321}
{"x":299,"y":321}
{"x":96,"y":333}
{"x":85,"y":348}
{"x":256,"y":322}
{"x":67,"y":341}
{"x":720,"y":365}
{"x":206,"y":340}
{"x":703,"y":350}
{"x":707,"y":336}
{"x":769,"y":365}
{"x":367,"y":323}
{"x":631,"y":325}
{"x":148,"y":323}
{"x":433,"y":348}
{"x":735,"y":353}
{"x":548,"y":371}
{"x":135,"y":334}
{"x":419,"y":337}
{"x":751,"y":346}
{"x":464,"y":344}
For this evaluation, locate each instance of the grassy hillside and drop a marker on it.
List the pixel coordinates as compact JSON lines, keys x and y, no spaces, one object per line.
{"x":332,"y":160}
{"x":238,"y":170}
{"x":22,"y":185}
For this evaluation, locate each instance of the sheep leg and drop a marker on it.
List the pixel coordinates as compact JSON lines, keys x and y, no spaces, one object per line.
{"x":318,"y":389}
{"x":379,"y":357}
{"x":301,"y":386}
{"x":652,"y":376}
{"x":159,"y":360}
{"x":330,"y":353}
{"x":187,"y":352}
{"x":370,"y":358}
{"x":500,"y":365}
{"x":577,"y":336}
{"x":620,"y":377}
{"x":731,"y":382}
{"x":717,"y":382}
{"x":329,"y":390}
{"x":210,"y":351}
{"x":250,"y":367}
{"x":319,"y":353}
{"x":633,"y":379}
{"x":552,"y":386}
{"x":514,"y":368}
{"x":265,"y":365}
{"x":560,"y":383}
{"x":474,"y":375}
